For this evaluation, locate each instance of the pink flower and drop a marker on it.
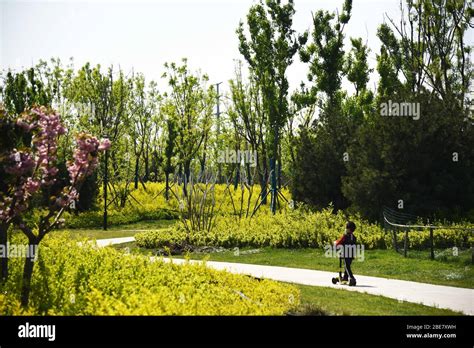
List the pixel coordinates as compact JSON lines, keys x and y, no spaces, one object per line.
{"x":104,"y":145}
{"x":21,"y":163}
{"x":31,"y":185}
{"x":36,"y":167}
{"x":85,"y":156}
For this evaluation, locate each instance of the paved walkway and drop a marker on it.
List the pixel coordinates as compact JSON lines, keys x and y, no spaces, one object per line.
{"x":457,"y":299}
{"x":112,"y":241}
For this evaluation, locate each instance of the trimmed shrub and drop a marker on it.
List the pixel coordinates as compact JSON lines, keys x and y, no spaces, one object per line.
{"x":86,"y":280}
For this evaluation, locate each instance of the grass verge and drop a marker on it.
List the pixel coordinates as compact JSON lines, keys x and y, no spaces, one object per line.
{"x":446,"y":269}
{"x":317,"y":300}
{"x":116,"y":231}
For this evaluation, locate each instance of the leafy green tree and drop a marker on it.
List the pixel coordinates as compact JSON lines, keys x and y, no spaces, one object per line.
{"x":269,"y":48}
{"x":143,"y":112}
{"x":325,"y":51}
{"x":357,"y":66}
{"x":191,"y":106}
{"x":23,"y":90}
{"x":248,"y":119}
{"x":169,"y":153}
{"x":104,"y":110}
{"x":322,"y":148}
{"x":425,"y":163}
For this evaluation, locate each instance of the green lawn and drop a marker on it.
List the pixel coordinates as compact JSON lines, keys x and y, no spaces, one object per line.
{"x":117,"y":231}
{"x":317,"y":300}
{"x":322,"y":300}
{"x":446,"y":269}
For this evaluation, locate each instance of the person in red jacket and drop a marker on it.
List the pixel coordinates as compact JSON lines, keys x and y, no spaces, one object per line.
{"x":348,"y":241}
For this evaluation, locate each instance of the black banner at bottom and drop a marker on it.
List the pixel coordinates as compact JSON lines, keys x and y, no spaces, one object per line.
{"x":242,"y":331}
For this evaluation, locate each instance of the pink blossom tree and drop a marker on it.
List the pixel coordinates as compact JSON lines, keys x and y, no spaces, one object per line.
{"x":34,"y":169}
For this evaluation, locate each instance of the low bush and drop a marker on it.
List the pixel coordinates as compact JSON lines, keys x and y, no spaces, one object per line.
{"x":85,"y":280}
{"x":296,"y":229}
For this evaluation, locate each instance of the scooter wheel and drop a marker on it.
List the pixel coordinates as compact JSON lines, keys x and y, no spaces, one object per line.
{"x":334,"y":280}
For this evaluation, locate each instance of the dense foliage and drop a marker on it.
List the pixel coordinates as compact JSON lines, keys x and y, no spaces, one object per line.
{"x":297,"y":229}
{"x":151,"y":204}
{"x":355,"y":154}
{"x":74,"y":279}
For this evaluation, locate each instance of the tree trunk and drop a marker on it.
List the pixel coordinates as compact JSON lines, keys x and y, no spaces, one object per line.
{"x":264,"y":179}
{"x":106,"y":178}
{"x":187,"y":170}
{"x":203,"y":168}
{"x":273,"y":170}
{"x":203,"y":162}
{"x":187,"y":176}
{"x":147,"y":166}
{"x":279,"y":169}
{"x":273,"y":185}
{"x":28,"y":271}
{"x":263,"y":188}
{"x":249,"y":174}
{"x":237,"y":176}
{"x":155,"y":165}
{"x":137,"y":164}
{"x":167,"y":186}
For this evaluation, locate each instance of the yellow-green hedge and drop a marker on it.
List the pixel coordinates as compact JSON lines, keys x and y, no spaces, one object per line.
{"x":150,"y":204}
{"x":295,"y":229}
{"x":85,"y":280}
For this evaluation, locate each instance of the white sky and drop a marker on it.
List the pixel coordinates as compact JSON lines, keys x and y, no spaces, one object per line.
{"x":143,"y":35}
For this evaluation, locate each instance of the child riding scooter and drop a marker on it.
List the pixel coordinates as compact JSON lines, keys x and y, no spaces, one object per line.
{"x":348,"y":239}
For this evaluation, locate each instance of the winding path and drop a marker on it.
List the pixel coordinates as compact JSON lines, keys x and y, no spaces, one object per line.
{"x":454,"y":298}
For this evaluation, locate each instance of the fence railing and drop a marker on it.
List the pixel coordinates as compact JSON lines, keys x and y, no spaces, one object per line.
{"x":424,"y":227}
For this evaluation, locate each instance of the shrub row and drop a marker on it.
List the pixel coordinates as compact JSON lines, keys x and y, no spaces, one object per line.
{"x":296,"y":229}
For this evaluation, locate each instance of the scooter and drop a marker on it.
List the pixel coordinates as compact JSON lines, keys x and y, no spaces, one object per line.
{"x":340,"y":279}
